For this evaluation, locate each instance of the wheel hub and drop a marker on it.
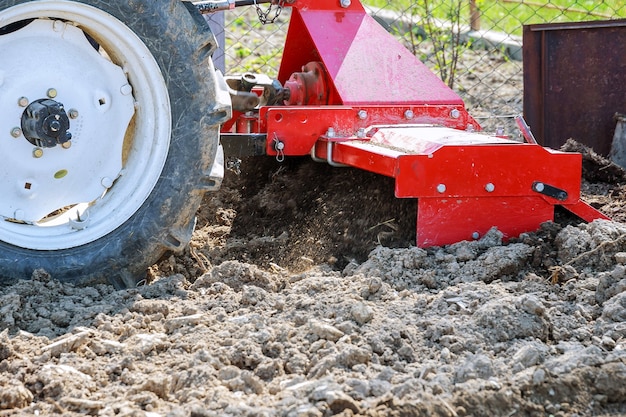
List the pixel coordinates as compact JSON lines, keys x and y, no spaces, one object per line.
{"x":37,"y":177}
{"x":98,"y":73}
{"x":45,"y":123}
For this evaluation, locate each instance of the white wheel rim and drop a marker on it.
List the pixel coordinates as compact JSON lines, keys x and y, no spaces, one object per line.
{"x":113,"y":163}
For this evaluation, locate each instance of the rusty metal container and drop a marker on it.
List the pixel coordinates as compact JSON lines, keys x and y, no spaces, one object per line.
{"x":575,"y":81}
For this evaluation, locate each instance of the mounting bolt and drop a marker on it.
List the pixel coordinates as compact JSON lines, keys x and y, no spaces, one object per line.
{"x":16,"y":132}
{"x":490,"y":187}
{"x":455,"y":113}
{"x":66,"y":145}
{"x":362,"y":114}
{"x":441,"y":188}
{"x":330,"y":132}
{"x":538,"y":187}
{"x":52,"y":92}
{"x":106,"y":182}
{"x":346,"y":3}
{"x":22,"y":102}
{"x":409,"y":114}
{"x":475,"y":235}
{"x":126,"y":89}
{"x":73,"y":113}
{"x":469,"y":128}
{"x":360,"y":133}
{"x":37,"y":153}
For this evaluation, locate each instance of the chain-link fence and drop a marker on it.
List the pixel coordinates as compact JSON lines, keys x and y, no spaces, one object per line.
{"x":473,"y":45}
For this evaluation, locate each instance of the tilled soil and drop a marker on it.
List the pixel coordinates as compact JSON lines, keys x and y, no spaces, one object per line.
{"x":302,"y":295}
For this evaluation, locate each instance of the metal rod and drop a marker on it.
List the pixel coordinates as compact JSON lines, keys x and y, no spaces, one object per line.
{"x":251,"y":2}
{"x":212,"y":6}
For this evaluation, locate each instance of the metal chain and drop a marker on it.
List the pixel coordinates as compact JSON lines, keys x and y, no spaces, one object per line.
{"x":264,"y":14}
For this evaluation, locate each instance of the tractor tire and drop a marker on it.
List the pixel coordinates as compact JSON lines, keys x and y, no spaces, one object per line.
{"x":109,"y":135}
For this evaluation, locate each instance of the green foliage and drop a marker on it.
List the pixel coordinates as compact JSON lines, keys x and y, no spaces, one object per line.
{"x":444,"y":34}
{"x":509,"y":16}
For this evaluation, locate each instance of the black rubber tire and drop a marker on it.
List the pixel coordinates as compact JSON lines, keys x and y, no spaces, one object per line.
{"x":174,"y":33}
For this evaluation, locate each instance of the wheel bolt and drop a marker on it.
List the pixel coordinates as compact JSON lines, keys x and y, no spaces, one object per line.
{"x":66,"y":145}
{"x":22,"y":101}
{"x":126,"y":89}
{"x":73,"y":113}
{"x":37,"y":152}
{"x":19,"y":215}
{"x":52,"y":92}
{"x":106,"y":182}
{"x":16,"y":132}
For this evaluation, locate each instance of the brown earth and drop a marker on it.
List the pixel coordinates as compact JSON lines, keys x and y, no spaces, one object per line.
{"x":302,"y":295}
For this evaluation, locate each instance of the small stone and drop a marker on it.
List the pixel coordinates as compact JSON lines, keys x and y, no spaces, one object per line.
{"x":528,"y":355}
{"x":374,"y":285}
{"x":229,"y":372}
{"x":339,"y":401}
{"x":325,"y":331}
{"x":445,"y":354}
{"x":608,"y":342}
{"x":68,"y":344}
{"x":362,"y":313}
{"x":379,"y":388}
{"x":532,"y":304}
{"x":539,"y":376}
{"x":620,"y":258}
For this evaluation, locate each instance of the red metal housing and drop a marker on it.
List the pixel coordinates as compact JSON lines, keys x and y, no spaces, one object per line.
{"x":373,"y":105}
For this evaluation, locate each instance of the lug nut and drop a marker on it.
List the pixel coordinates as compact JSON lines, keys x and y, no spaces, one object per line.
{"x":73,"y":113}
{"x":19,"y":214}
{"x":22,"y":101}
{"x":126,"y":89}
{"x":106,"y":182}
{"x":52,"y":93}
{"x":16,"y":132}
{"x":37,"y":153}
{"x":66,"y":145}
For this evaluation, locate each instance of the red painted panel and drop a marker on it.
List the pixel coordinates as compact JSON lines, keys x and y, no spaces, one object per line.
{"x":366,"y":63}
{"x":442,"y":221}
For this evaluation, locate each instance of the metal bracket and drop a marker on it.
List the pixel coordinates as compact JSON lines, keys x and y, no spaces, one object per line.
{"x":549,"y":190}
